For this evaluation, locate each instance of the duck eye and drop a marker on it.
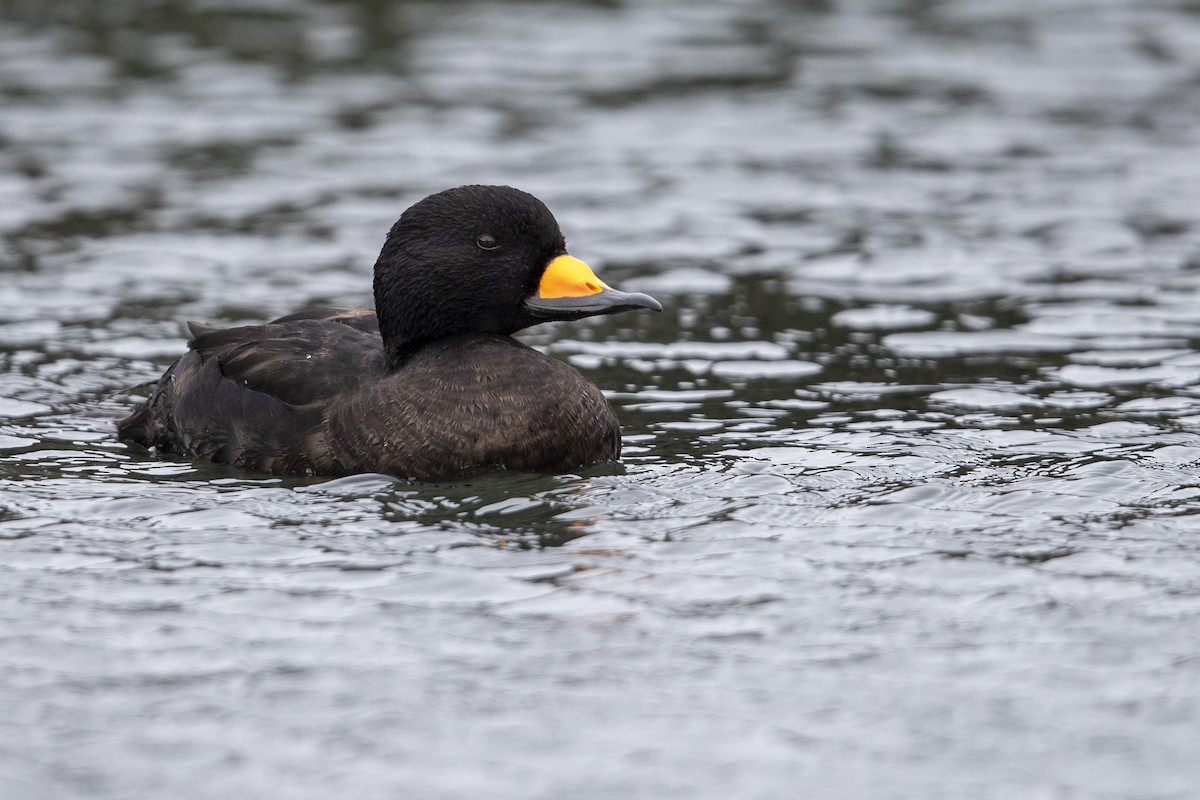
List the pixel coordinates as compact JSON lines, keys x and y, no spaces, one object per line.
{"x":486,"y":241}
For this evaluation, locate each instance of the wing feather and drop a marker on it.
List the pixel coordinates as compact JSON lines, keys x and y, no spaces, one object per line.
{"x":301,"y":358}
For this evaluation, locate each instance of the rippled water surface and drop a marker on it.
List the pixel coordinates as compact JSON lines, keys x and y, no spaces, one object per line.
{"x":909,"y":507}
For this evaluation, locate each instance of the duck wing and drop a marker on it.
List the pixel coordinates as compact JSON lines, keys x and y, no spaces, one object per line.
{"x":363,"y":319}
{"x":298,"y":359}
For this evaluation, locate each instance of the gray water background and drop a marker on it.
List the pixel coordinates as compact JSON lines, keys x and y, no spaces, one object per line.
{"x":909,"y":502}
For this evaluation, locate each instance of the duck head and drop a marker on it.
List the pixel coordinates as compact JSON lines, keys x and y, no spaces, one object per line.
{"x":482,"y":259}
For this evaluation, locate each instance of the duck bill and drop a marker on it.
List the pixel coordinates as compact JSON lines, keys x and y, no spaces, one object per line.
{"x":570,"y":290}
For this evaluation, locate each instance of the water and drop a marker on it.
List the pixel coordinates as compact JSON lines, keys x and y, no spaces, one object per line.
{"x":909,"y":502}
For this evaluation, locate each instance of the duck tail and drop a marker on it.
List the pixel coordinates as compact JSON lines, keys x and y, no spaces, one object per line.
{"x":144,"y":426}
{"x":196,"y":410}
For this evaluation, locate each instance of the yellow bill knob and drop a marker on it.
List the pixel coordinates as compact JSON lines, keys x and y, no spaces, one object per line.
{"x":567,"y":276}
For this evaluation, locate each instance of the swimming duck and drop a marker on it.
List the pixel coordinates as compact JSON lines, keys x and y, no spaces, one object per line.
{"x":428,"y":386}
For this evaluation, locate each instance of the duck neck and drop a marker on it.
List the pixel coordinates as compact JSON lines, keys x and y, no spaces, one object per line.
{"x":395,"y":326}
{"x":398,"y":351}
{"x":406,"y":321}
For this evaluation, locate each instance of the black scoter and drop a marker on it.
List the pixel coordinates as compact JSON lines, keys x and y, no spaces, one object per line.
{"x":428,"y":386}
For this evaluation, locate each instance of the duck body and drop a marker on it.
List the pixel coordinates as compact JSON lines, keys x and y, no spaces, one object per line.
{"x":429,"y":387}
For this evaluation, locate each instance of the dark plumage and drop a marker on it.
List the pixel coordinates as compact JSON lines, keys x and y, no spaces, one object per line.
{"x":429,"y":386}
